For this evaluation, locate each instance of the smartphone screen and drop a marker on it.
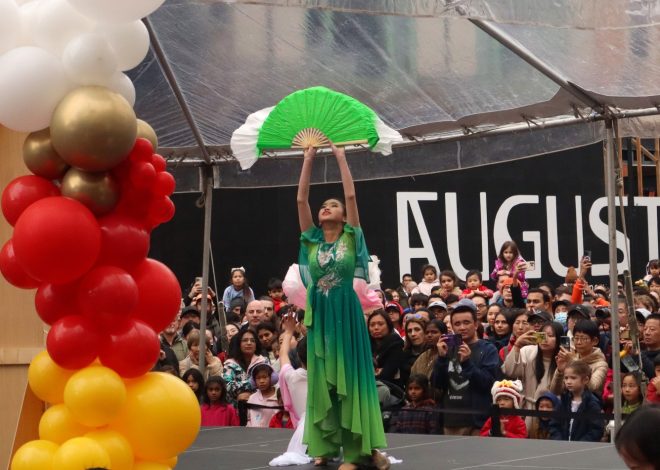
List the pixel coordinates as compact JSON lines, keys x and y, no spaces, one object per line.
{"x":565,"y":342}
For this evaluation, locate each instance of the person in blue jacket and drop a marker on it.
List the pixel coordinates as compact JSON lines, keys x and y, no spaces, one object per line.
{"x":466,"y":368}
{"x":578,"y":399}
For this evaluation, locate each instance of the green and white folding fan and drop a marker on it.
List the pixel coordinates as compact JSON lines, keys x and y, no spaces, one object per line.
{"x":312,"y":117}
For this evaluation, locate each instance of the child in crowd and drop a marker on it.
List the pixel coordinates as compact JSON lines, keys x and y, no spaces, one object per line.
{"x":505,"y":263}
{"x":215,"y":409}
{"x":429,"y":280}
{"x":652,"y":270}
{"x":267,"y":335}
{"x":540,"y":427}
{"x":239,"y":288}
{"x":264,"y":378}
{"x":417,"y":416}
{"x":474,"y":286}
{"x":195,"y":380}
{"x":507,"y":394}
{"x":276,"y":293}
{"x":577,"y":399}
{"x":631,"y":393}
{"x":637,"y":446}
{"x":281,"y":419}
{"x":653,"y":388}
{"x":449,"y":284}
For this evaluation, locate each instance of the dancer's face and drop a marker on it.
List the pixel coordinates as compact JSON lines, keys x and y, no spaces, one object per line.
{"x":331,"y":210}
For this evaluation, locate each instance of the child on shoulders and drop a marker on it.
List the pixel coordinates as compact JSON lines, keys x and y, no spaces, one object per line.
{"x":474,"y":286}
{"x":508,"y":258}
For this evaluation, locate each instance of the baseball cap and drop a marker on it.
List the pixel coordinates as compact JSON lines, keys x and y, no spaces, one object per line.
{"x":540,"y":314}
{"x":641,"y":314}
{"x":190,"y":310}
{"x":465,"y":305}
{"x":579,"y":310}
{"x":557,"y":303}
{"x":438,"y":303}
{"x":394,"y":306}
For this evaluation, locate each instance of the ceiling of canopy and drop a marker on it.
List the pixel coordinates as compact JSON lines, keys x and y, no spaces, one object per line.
{"x":428,"y":68}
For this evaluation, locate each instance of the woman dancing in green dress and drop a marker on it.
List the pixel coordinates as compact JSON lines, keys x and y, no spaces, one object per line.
{"x":342,"y":402}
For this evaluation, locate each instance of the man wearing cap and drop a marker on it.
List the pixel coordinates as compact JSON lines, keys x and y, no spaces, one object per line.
{"x":466,"y":371}
{"x":510,"y":293}
{"x":211,"y":322}
{"x":537,"y":318}
{"x":438,"y":309}
{"x":575,"y":313}
{"x":188,"y":314}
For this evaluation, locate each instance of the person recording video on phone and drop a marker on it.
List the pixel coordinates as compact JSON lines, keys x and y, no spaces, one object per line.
{"x":466,"y":367}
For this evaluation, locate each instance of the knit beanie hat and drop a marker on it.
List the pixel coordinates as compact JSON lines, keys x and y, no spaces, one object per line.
{"x":508,"y":388}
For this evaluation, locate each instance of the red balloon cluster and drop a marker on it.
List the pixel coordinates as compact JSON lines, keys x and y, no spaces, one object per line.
{"x":95,"y":285}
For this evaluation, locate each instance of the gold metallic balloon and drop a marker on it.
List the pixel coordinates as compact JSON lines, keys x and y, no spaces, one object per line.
{"x":41,"y":158}
{"x":98,"y":191}
{"x":146,"y":131}
{"x":93,"y":128}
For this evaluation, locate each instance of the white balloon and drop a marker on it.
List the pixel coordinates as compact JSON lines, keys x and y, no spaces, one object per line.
{"x":116,"y":11}
{"x":32,"y":82}
{"x":120,"y":83}
{"x":89,"y":60}
{"x":130,"y":41}
{"x":28,"y":17}
{"x":56,"y":24}
{"x":9,"y":25}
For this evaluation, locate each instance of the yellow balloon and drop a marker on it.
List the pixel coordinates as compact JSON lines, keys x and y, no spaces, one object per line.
{"x":161,"y":416}
{"x":98,"y":191}
{"x":57,"y":425}
{"x":145,"y":131}
{"x":41,"y":158}
{"x":33,"y":455}
{"x":93,"y":128}
{"x":143,"y":465}
{"x":95,"y":395}
{"x":81,"y":453}
{"x":47,"y":379}
{"x":116,"y":445}
{"x":171,"y":462}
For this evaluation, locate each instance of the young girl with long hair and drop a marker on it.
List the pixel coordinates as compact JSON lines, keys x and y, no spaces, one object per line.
{"x":195,"y":380}
{"x":417,"y":416}
{"x":215,"y":409}
{"x":506,"y":262}
{"x":331,"y":255}
{"x":238,"y":287}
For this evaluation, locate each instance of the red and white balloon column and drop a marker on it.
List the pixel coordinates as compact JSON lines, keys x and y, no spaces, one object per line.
{"x":82,"y":223}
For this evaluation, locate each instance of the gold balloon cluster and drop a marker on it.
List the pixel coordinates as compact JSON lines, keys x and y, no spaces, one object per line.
{"x":99,"y":420}
{"x":92,"y":131}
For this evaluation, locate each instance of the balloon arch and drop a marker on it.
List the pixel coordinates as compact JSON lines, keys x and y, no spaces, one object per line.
{"x":81,"y":233}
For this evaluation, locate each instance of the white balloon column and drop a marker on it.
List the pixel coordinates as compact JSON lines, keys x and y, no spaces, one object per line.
{"x":82,"y":222}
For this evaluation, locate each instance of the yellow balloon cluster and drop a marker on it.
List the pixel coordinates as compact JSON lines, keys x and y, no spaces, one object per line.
{"x":99,"y":420}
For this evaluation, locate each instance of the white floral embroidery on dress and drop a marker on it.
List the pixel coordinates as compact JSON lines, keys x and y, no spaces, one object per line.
{"x":327,"y":282}
{"x":341,"y":250}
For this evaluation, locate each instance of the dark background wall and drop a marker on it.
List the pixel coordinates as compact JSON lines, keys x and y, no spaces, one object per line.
{"x":258,"y":228}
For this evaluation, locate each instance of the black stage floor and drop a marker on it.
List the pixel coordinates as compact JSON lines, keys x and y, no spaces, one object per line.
{"x":251,"y":449}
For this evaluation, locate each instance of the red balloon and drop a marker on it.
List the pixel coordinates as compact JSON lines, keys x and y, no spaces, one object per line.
{"x":57,"y":240}
{"x":22,"y":192}
{"x":160,"y":294}
{"x":134,"y":203}
{"x":158,"y":162}
{"x":55,"y":301}
{"x":132,"y":351}
{"x":73,"y":342}
{"x":142,"y":151}
{"x":143,"y":175}
{"x":124,"y":242}
{"x":12,"y":270}
{"x":161,"y":211}
{"x":165,"y":184}
{"x":106,"y":296}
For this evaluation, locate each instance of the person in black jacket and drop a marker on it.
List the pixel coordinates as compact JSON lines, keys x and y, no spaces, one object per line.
{"x":578,"y":399}
{"x":466,"y":371}
{"x":386,"y":347}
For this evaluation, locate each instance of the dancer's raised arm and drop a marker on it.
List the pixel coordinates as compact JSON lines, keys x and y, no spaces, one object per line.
{"x":352,"y":215}
{"x":304,"y":211}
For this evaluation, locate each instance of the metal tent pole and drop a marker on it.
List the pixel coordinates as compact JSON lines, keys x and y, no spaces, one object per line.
{"x":208,"y":200}
{"x":610,"y":191}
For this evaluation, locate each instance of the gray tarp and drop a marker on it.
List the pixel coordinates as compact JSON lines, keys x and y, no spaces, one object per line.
{"x":423,"y":66}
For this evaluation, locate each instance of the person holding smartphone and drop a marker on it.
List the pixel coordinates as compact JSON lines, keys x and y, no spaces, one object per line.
{"x":467,"y":375}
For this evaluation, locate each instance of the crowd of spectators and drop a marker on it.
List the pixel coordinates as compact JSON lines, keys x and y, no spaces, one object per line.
{"x":439,"y":345}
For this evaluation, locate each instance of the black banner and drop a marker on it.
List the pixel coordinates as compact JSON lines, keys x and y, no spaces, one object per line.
{"x":552,"y":205}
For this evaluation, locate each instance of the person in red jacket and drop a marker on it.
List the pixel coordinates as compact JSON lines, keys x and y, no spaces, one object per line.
{"x":653,"y":388}
{"x":507,"y":394}
{"x":215,"y":409}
